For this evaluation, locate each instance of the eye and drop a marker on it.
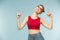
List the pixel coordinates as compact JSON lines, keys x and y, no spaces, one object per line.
{"x":41,"y":8}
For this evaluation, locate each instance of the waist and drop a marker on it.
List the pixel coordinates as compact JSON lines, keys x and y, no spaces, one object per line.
{"x":33,"y":31}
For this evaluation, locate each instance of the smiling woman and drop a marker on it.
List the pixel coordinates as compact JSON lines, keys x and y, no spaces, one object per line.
{"x":33,"y":22}
{"x":42,"y":8}
{"x":8,"y":26}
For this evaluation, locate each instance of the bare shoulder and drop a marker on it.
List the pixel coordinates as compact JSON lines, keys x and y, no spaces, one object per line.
{"x":26,"y":18}
{"x":41,"y":20}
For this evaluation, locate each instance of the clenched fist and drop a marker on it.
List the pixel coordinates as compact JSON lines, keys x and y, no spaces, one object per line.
{"x":49,"y":14}
{"x":18,"y":15}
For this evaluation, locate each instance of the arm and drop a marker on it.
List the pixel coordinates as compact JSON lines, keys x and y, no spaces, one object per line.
{"x":21,"y":25}
{"x":49,"y":26}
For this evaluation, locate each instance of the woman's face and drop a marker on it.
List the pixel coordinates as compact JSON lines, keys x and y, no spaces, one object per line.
{"x":39,"y":9}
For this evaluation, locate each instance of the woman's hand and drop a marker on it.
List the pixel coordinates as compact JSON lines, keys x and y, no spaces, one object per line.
{"x":18,"y":15}
{"x":49,"y":14}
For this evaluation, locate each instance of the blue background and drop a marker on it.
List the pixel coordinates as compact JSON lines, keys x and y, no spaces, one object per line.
{"x":8,"y":21}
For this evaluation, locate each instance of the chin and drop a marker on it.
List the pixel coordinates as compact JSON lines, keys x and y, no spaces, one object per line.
{"x":39,"y":12}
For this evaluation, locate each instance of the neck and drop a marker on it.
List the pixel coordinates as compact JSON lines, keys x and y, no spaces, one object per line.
{"x":35,"y":14}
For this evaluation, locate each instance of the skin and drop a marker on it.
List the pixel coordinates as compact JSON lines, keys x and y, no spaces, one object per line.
{"x":37,"y":11}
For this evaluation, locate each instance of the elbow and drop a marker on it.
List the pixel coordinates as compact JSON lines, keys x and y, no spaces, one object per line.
{"x":19,"y":28}
{"x":50,"y":28}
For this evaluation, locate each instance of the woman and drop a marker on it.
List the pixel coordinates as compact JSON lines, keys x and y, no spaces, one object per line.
{"x":33,"y":22}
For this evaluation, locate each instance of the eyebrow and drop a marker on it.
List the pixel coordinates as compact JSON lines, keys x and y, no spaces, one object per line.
{"x":38,"y":6}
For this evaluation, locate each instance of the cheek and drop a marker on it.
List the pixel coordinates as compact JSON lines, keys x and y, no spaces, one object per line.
{"x":38,"y":10}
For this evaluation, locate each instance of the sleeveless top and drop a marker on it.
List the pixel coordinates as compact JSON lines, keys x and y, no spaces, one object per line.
{"x":33,"y":23}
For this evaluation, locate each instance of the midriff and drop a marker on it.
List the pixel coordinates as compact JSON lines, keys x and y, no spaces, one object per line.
{"x":32,"y":31}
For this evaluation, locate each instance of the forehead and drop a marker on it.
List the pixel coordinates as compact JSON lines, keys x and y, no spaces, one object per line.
{"x":39,"y":6}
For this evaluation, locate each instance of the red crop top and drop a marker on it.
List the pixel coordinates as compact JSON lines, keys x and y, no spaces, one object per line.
{"x":33,"y":23}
